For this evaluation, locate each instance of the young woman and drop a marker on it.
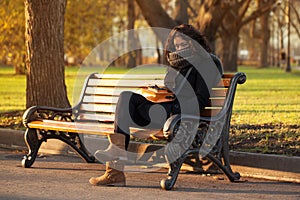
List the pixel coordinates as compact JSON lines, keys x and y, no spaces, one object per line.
{"x":193,"y":69}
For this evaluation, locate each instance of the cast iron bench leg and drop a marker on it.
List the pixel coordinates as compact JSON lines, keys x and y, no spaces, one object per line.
{"x":33,"y":143}
{"x":174,"y":169}
{"x":232,"y":176}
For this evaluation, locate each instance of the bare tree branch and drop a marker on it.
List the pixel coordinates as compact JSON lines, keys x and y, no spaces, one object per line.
{"x":192,"y":9}
{"x":294,"y":25}
{"x":296,"y":13}
{"x":258,"y":13}
{"x":156,"y":16}
{"x":244,"y":5}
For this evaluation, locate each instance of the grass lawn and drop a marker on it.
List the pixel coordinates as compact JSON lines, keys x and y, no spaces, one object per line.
{"x":268,"y":96}
{"x":266,"y":108}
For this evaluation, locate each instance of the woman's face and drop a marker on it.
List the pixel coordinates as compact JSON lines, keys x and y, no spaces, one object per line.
{"x":180,"y":43}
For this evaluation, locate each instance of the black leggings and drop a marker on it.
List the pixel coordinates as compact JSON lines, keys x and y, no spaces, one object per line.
{"x":134,"y":110}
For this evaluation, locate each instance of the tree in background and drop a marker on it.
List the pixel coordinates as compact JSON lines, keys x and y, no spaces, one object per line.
{"x":156,"y":16}
{"x":181,"y":12}
{"x":241,"y":13}
{"x":134,"y":57}
{"x":44,"y":38}
{"x":210,"y":17}
{"x":265,"y":34}
{"x":12,"y":34}
{"x":295,"y":16}
{"x":87,"y":23}
{"x":223,"y":18}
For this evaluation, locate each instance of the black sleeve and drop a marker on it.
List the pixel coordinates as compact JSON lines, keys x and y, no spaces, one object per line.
{"x":218,"y":63}
{"x":169,"y":80}
{"x":201,"y":91}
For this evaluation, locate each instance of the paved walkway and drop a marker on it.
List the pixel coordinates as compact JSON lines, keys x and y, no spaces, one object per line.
{"x":273,"y":167}
{"x":66,"y":177}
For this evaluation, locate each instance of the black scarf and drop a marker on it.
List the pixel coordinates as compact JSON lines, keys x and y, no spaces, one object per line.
{"x":180,"y":59}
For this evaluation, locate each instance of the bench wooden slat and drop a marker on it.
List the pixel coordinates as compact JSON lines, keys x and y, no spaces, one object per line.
{"x":101,"y":117}
{"x":207,"y":112}
{"x":227,"y":75}
{"x":124,"y":83}
{"x":130,"y":76}
{"x":108,"y":91}
{"x":82,"y":127}
{"x":216,"y":101}
{"x":219,"y":92}
{"x":98,"y":107}
{"x":225,"y":82}
{"x":211,"y":110}
{"x":89,"y":128}
{"x":100,"y":99}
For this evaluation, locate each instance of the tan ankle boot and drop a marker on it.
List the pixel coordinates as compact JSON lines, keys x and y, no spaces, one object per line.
{"x":115,"y":151}
{"x":114,"y":175}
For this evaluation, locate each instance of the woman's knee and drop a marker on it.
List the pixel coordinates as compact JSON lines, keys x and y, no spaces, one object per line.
{"x":125,"y":94}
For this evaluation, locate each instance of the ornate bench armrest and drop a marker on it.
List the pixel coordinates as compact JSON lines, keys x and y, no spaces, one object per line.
{"x":239,"y":78}
{"x":172,"y":121}
{"x":43,"y":112}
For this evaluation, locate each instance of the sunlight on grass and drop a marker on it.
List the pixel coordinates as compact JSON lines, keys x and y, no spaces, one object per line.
{"x":12,"y":91}
{"x":269,"y":95}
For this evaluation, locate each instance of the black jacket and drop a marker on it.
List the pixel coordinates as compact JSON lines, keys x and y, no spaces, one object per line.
{"x":196,"y":88}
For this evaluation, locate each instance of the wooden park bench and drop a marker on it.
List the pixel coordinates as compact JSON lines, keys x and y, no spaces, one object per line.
{"x":94,"y":114}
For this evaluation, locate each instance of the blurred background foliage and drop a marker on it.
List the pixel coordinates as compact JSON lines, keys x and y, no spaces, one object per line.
{"x":258,"y":30}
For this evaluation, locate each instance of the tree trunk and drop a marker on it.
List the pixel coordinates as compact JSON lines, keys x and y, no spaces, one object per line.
{"x":264,"y":39}
{"x":131,"y":37}
{"x":209,"y":19}
{"x":229,"y":54}
{"x":181,"y":14}
{"x":160,"y":58}
{"x":156,"y":16}
{"x":133,"y":42}
{"x":44,"y":38}
{"x":19,"y":63}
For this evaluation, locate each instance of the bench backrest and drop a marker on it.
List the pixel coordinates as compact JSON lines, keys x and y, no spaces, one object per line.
{"x":101,"y":91}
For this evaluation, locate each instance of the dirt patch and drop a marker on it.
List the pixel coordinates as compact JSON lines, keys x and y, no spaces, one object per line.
{"x":12,"y":120}
{"x":266,"y":138}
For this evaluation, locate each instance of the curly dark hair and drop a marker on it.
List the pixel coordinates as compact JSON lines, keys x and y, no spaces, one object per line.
{"x":187,"y":32}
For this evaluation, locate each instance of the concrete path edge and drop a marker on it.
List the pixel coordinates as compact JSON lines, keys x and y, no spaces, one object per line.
{"x":266,"y":166}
